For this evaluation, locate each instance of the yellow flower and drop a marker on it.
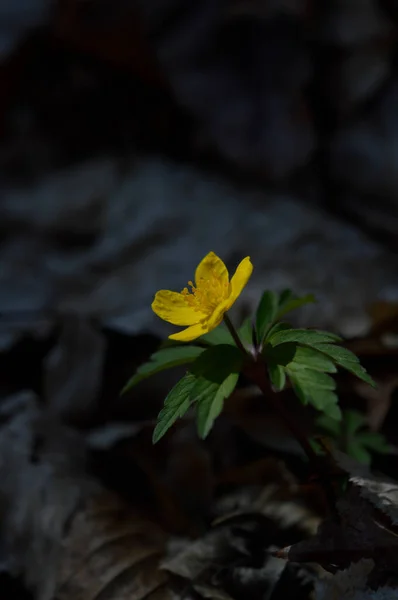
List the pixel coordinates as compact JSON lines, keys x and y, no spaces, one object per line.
{"x":202,"y":308}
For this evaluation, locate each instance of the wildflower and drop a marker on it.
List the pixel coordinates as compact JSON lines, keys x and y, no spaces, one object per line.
{"x":202,"y":307}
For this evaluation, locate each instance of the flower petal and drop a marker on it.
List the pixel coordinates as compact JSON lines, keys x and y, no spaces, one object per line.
{"x":173,"y":308}
{"x":211,"y":267}
{"x":189,"y":334}
{"x":239,"y":280}
{"x":218,"y":315}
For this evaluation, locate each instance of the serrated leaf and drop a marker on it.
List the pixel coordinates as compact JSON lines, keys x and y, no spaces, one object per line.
{"x":210,"y":406}
{"x":357,"y":451}
{"x":202,"y":389}
{"x":332,"y":426}
{"x":207,"y":375}
{"x":308,"y":378}
{"x":289,"y":302}
{"x":346,"y":359}
{"x":277,"y":376}
{"x":219,"y":335}
{"x":324,"y":400}
{"x":315,"y":388}
{"x":175,"y":406}
{"x":282,"y":326}
{"x":374,"y":441}
{"x":266,"y":313}
{"x":217,"y":362}
{"x":353,"y":420}
{"x":299,"y":391}
{"x":306,"y":337}
{"x":280,"y":355}
{"x":216,"y":373}
{"x":333,"y":410}
{"x":285,"y":296}
{"x":314,"y":359}
{"x":351,"y":436}
{"x":164,"y":359}
{"x":336,"y":338}
{"x":245,"y":332}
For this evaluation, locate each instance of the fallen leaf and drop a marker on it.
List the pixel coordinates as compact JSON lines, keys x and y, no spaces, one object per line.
{"x":367,"y":527}
{"x":232,"y":559}
{"x":65,"y":535}
{"x":351,"y":584}
{"x":112,"y":552}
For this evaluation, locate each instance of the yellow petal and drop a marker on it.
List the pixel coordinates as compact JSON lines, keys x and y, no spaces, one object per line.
{"x":218,"y":315}
{"x":173,"y":308}
{"x":211,"y":267}
{"x":239,"y":280}
{"x":189,"y":334}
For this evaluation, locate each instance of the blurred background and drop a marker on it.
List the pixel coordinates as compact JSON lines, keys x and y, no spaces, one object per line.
{"x":135,"y":137}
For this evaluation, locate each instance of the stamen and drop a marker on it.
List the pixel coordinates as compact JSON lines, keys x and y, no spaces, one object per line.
{"x":207,"y":295}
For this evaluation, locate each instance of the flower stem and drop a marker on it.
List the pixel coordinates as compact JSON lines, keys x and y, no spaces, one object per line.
{"x":260,"y":379}
{"x":234,"y":334}
{"x":256,"y":372}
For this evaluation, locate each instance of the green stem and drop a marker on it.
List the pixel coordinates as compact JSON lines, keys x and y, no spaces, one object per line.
{"x":234,"y":334}
{"x":256,"y":372}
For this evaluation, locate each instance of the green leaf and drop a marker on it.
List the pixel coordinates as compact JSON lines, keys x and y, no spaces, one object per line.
{"x":316,"y":446}
{"x":245,"y":332}
{"x":164,"y":359}
{"x":289,"y":302}
{"x":351,"y":436}
{"x":175,"y":406}
{"x":306,"y":337}
{"x":285,"y":297}
{"x":302,"y":395}
{"x":314,"y":359}
{"x":276,"y":328}
{"x":277,"y":376}
{"x":210,"y":404}
{"x":333,"y":410}
{"x":217,"y":362}
{"x":219,"y":335}
{"x":315,"y":388}
{"x":329,"y":425}
{"x":346,"y":359}
{"x":216,"y":373}
{"x":168,"y":343}
{"x":308,"y":378}
{"x":325,"y":400}
{"x":353,"y":420}
{"x":357,"y":451}
{"x":266,"y":313}
{"x":374,"y":441}
{"x":280,"y":355}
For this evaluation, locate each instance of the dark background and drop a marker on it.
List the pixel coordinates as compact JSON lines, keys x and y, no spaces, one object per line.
{"x":135,"y":137}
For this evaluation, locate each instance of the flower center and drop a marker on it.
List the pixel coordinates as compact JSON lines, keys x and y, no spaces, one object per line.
{"x":207,"y":295}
